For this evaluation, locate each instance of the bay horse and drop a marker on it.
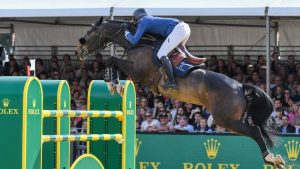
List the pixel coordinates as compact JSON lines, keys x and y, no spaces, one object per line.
{"x":231,"y":103}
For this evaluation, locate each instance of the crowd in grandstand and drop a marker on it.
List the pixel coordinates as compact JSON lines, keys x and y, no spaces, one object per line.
{"x":162,"y":114}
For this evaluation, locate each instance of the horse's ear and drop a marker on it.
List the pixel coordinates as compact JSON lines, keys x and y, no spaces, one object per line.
{"x":100,"y":21}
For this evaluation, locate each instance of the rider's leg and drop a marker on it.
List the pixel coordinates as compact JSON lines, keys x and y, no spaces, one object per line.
{"x":183,"y":48}
{"x":183,"y":43}
{"x":172,"y":41}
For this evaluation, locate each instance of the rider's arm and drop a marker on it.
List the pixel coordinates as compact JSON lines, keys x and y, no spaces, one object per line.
{"x":134,"y":39}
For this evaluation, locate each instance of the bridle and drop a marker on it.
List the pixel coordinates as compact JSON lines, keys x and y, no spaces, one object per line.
{"x":84,"y":54}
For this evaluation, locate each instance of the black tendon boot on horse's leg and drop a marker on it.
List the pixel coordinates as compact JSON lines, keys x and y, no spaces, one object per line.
{"x":115,"y":76}
{"x":111,"y":75}
{"x":107,"y":74}
{"x":168,"y":68}
{"x":255,"y":132}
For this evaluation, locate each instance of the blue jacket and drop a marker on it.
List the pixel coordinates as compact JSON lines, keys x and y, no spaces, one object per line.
{"x":156,"y":25}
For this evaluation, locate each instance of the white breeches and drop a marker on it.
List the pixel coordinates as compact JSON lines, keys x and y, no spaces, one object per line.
{"x":179,"y":35}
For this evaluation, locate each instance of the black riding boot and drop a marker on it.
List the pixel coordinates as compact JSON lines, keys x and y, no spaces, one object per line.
{"x":168,"y":68}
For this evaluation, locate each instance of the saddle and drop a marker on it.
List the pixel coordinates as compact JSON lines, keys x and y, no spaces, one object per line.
{"x":181,"y":63}
{"x":177,"y":55}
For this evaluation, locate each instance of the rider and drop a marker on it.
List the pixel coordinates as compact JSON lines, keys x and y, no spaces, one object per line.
{"x":174,"y":31}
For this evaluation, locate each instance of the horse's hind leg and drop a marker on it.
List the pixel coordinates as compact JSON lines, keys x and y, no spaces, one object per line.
{"x":255,"y":133}
{"x":250,"y":131}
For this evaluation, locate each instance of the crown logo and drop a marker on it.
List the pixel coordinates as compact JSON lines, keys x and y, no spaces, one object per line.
{"x":292,"y":149}
{"x":65,"y":104}
{"x":137,"y":146}
{"x":33,"y":103}
{"x":212,"y":147}
{"x":5,"y":103}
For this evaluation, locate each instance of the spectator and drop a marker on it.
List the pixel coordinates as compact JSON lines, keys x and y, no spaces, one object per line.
{"x":82,"y":67}
{"x":296,"y":96}
{"x":25,"y":64}
{"x":183,"y":125}
{"x":165,"y":124}
{"x":220,"y":129}
{"x":150,"y":124}
{"x":55,"y":74}
{"x":221,"y":67}
{"x":39,"y":67}
{"x":144,"y":103}
{"x":137,"y":123}
{"x":290,"y":81}
{"x":291,"y":66}
{"x":287,"y":97}
{"x":141,"y":114}
{"x":176,"y":120}
{"x":260,"y":62}
{"x":296,"y":121}
{"x":293,"y":113}
{"x":66,"y":73}
{"x":99,"y":60}
{"x":278,"y":115}
{"x":202,"y":126}
{"x":43,"y":76}
{"x":275,"y":62}
{"x":159,"y":109}
{"x":254,"y":78}
{"x":67,"y":60}
{"x":197,"y":117}
{"x":96,"y":71}
{"x":286,"y":128}
{"x":54,"y":66}
{"x":278,"y":107}
{"x":54,"y":59}
{"x":247,"y":62}
{"x":181,"y":111}
{"x":233,"y":69}
{"x":188,"y":109}
{"x":212,"y":63}
{"x":176,"y":104}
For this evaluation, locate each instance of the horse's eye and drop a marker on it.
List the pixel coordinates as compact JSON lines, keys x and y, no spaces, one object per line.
{"x":82,"y":41}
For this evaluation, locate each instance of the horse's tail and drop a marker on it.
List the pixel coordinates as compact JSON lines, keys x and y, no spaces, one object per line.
{"x":260,"y":107}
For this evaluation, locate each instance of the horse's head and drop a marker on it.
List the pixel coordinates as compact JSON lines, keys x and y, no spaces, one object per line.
{"x":91,"y":41}
{"x":98,"y":37}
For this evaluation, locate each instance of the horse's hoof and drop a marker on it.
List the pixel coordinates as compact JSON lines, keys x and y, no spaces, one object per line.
{"x":270,"y":158}
{"x":279,"y":160}
{"x":275,"y":160}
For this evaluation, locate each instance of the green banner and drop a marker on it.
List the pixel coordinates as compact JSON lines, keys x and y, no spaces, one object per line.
{"x":172,"y":151}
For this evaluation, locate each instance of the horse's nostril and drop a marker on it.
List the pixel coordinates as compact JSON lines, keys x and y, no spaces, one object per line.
{"x":82,"y":41}
{"x":76,"y":53}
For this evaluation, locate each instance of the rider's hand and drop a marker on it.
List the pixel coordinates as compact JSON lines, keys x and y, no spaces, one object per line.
{"x":124,"y":26}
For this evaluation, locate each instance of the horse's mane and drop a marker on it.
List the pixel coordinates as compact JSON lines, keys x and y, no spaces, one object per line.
{"x":119,"y":21}
{"x":147,"y":37}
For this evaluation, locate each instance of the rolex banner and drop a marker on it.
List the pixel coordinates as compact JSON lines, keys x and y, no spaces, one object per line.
{"x":169,"y":151}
